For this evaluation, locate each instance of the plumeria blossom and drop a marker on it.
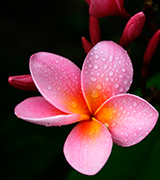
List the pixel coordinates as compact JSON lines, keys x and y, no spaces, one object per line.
{"x":102,"y":8}
{"x":95,"y":97}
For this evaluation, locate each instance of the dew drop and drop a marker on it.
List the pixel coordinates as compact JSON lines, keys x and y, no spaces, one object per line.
{"x":96,"y":56}
{"x":95,"y":48}
{"x":125,"y":82}
{"x":95,"y":94}
{"x":135,"y":134}
{"x":49,"y":87}
{"x":140,"y":128}
{"x":110,"y":58}
{"x":74,"y":104}
{"x":98,"y":86}
{"x":116,"y":85}
{"x":120,"y":89}
{"x":93,"y":78}
{"x":107,"y":79}
{"x":135,"y":104}
{"x":105,"y":66}
{"x":103,"y":58}
{"x":90,"y":65}
{"x":113,"y":124}
{"x":110,"y":73}
{"x":98,"y":73}
{"x":95,"y":66}
{"x":123,"y":70}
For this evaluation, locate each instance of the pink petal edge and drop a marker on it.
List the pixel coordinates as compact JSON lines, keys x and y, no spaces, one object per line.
{"x":37,"y":110}
{"x":129,"y":117}
{"x":88,"y":146}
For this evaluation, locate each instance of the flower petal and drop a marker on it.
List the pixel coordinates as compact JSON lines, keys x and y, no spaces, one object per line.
{"x":59,"y":81}
{"x":130,"y":118}
{"x":107,"y":71}
{"x":88,"y":147}
{"x":37,"y":110}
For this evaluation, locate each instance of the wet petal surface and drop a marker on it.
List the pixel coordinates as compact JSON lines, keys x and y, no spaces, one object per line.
{"x":58,"y":80}
{"x":130,"y":118}
{"x":88,"y":147}
{"x":37,"y":110}
{"x":107,"y":71}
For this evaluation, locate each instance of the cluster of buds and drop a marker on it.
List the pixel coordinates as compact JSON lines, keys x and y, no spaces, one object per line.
{"x":132,"y":30}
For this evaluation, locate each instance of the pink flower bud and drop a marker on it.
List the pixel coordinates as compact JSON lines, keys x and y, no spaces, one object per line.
{"x":132,"y":29}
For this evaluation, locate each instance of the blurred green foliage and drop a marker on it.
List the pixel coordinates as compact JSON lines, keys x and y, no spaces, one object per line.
{"x":32,"y":152}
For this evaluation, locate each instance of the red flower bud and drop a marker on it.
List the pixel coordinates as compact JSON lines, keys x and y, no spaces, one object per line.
{"x":23,"y":82}
{"x":132,"y":29}
{"x":102,"y":8}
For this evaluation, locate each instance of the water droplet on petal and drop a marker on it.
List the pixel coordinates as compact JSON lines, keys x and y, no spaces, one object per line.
{"x":93,"y":78}
{"x":95,"y":94}
{"x":107,"y":79}
{"x":110,"y":73}
{"x":74,"y":104}
{"x":135,"y":134}
{"x":125,"y":82}
{"x":140,"y":128}
{"x":135,"y":104}
{"x":110,"y":58}
{"x":89,"y":65}
{"x":103,"y":58}
{"x":116,"y":85}
{"x":120,"y":89}
{"x":49,"y":87}
{"x":95,"y":66}
{"x":95,"y":48}
{"x":98,"y":86}
{"x":105,"y":66}
{"x":123,"y":70}
{"x":96,"y":56}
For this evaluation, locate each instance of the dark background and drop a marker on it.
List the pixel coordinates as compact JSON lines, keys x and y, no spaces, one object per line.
{"x":32,"y":152}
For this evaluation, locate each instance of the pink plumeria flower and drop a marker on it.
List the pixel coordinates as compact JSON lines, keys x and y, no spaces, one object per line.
{"x":102,"y":8}
{"x":95,"y":97}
